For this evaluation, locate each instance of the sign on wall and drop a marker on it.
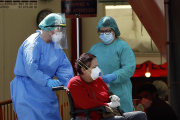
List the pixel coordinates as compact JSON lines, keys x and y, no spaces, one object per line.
{"x":155,"y":70}
{"x":85,"y":8}
{"x":17,"y":4}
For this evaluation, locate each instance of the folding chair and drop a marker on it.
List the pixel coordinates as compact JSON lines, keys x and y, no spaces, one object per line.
{"x":73,"y":111}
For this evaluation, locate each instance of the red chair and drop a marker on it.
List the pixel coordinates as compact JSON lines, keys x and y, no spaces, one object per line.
{"x":136,"y":102}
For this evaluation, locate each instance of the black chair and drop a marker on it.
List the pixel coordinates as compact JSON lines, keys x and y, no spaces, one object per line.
{"x":73,"y":111}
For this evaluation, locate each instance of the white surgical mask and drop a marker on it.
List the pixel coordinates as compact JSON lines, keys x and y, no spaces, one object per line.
{"x":95,"y":72}
{"x":107,"y":39}
{"x":56,"y":37}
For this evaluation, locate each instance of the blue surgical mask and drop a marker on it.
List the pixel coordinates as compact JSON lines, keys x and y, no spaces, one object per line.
{"x":107,"y":39}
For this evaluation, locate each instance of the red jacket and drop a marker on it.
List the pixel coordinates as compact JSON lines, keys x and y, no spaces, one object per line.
{"x":83,"y":96}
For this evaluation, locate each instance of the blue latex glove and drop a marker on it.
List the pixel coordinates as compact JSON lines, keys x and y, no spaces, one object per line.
{"x":54,"y":83}
{"x":109,"y":77}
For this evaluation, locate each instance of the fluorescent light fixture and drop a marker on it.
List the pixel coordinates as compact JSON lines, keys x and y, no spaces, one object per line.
{"x":119,"y":7}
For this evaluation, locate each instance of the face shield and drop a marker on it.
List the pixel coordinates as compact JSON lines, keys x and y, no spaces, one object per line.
{"x":59,"y":27}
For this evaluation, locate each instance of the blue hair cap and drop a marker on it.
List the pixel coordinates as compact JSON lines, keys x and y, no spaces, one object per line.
{"x":50,"y":20}
{"x":108,"y":21}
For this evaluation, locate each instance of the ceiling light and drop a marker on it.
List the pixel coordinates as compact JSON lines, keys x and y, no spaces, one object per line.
{"x":119,"y":7}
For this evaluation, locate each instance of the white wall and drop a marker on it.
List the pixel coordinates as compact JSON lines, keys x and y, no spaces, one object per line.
{"x":89,"y":30}
{"x":134,"y":33}
{"x":1,"y":56}
{"x":15,"y":26}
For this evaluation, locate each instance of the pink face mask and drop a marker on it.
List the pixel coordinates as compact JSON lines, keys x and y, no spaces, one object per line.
{"x":146,"y":103}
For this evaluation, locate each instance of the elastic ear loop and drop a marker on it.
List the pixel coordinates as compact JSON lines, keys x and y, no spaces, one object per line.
{"x":84,"y":65}
{"x":52,"y":30}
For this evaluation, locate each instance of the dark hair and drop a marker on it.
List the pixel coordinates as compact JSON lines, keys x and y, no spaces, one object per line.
{"x":84,"y":61}
{"x":147,"y":87}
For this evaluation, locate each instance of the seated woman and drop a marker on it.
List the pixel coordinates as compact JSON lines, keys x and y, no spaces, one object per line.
{"x":88,"y":91}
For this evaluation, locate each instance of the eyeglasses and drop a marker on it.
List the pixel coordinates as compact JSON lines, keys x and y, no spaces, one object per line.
{"x":107,"y":32}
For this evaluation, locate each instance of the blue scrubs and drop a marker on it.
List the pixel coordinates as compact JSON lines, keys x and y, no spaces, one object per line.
{"x":37,"y":62}
{"x":117,"y":58}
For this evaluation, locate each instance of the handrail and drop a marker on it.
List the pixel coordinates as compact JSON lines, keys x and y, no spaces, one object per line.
{"x":63,"y":104}
{"x":6,"y":111}
{"x":5,"y":102}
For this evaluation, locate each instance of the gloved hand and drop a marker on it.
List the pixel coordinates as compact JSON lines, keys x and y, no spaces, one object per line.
{"x":114,"y":104}
{"x":114,"y":98}
{"x":54,"y":83}
{"x":109,"y":77}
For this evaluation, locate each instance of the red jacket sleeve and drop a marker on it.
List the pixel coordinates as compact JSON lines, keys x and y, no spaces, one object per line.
{"x":81,"y":96}
{"x":104,"y":84}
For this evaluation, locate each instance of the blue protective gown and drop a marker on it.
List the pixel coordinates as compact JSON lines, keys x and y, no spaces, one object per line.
{"x":37,"y":62}
{"x":117,"y":58}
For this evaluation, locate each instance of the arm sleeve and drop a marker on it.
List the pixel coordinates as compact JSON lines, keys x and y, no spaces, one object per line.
{"x":31,"y":60}
{"x":128,"y":64}
{"x":104,"y":84}
{"x":65,"y":71}
{"x":162,"y":111}
{"x":81,"y":97}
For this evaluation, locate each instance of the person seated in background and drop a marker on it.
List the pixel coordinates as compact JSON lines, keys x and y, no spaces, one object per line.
{"x":156,"y":108}
{"x":162,"y":91}
{"x":88,"y":90}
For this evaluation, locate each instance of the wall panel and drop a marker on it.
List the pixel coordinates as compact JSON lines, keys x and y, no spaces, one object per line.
{"x":16,"y":26}
{"x":89,"y":30}
{"x":1,"y":54}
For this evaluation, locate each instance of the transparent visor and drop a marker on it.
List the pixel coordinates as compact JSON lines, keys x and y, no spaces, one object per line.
{"x":59,"y":37}
{"x":63,"y":41}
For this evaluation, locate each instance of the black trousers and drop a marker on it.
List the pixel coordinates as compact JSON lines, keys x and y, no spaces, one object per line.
{"x":135,"y":115}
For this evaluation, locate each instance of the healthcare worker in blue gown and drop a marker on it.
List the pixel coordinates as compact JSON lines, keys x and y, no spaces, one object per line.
{"x":116,"y":60}
{"x":39,"y":59}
